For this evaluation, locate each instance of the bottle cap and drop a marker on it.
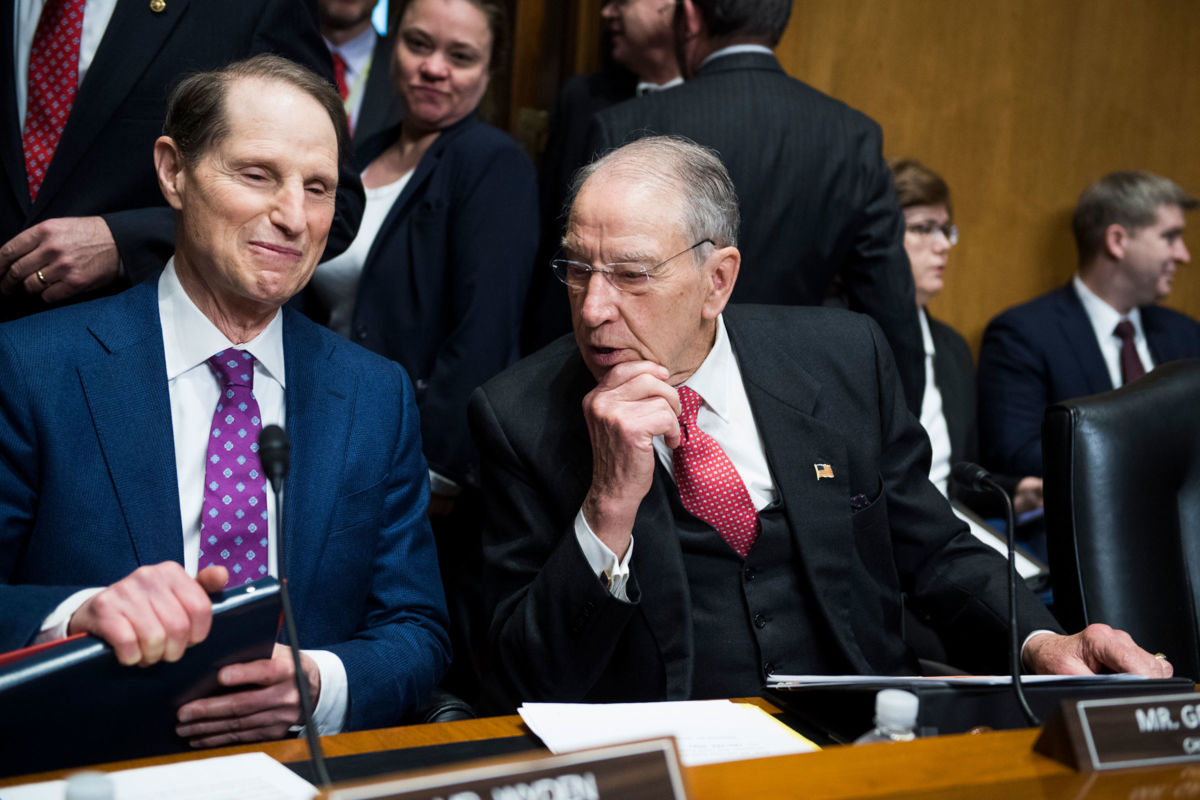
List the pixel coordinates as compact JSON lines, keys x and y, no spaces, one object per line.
{"x":896,"y":708}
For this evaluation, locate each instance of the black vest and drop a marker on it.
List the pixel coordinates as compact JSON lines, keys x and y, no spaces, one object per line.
{"x":750,"y":617}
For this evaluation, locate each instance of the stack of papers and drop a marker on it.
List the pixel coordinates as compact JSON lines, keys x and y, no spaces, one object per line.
{"x":251,"y":776}
{"x":791,"y":681}
{"x":705,"y":731}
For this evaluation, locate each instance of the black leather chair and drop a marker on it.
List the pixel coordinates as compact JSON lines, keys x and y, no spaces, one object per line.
{"x":1122,"y":490}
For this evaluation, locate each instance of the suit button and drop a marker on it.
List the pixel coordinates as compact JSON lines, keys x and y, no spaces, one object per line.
{"x":751,"y":573}
{"x":760,"y":621}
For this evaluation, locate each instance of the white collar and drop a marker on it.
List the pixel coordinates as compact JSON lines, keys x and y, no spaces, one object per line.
{"x":736,"y":49}
{"x":1104,"y":318}
{"x":190,"y":338}
{"x":358,"y":50}
{"x":711,"y":378}
{"x":645,"y":87}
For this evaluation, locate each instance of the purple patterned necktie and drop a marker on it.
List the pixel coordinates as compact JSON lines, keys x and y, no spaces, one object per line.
{"x":233,"y":522}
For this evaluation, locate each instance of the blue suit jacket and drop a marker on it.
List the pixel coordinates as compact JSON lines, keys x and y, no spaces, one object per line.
{"x":88,"y":489}
{"x":1043,"y":352}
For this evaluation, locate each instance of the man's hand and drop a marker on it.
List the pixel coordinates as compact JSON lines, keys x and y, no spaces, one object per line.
{"x":1096,"y":649}
{"x":73,"y":254}
{"x":153,"y":614}
{"x":1028,"y":495}
{"x":266,"y":709}
{"x":631,"y":405}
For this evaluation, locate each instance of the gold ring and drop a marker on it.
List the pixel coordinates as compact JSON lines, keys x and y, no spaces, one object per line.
{"x":1160,"y":656}
{"x":42,"y":278}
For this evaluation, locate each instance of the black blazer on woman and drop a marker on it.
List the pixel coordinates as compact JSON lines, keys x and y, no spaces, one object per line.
{"x":443,"y":287}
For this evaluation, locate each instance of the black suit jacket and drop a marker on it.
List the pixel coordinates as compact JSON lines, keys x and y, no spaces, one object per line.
{"x":444,"y":282}
{"x":823,"y":389}
{"x":815,"y":194}
{"x":104,"y":164}
{"x":1045,"y":351}
{"x":380,"y":109}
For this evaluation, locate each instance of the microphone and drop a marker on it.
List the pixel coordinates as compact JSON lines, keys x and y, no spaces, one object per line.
{"x":978,"y":479}
{"x":274,"y":455}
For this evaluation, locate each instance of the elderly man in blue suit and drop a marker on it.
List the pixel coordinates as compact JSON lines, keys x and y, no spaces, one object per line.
{"x":107,"y":413}
{"x":1101,"y":330}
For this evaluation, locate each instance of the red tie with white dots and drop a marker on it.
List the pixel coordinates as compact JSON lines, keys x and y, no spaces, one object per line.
{"x":53,"y":77}
{"x":709,"y":486}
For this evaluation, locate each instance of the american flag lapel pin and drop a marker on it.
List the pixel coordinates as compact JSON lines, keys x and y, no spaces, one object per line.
{"x":823,"y":471}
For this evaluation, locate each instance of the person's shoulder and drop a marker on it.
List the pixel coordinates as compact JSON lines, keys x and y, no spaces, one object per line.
{"x":92,"y":326}
{"x":1052,"y":302}
{"x":480,"y":141}
{"x":315,"y":341}
{"x":1169,"y":318}
{"x":808,"y":330}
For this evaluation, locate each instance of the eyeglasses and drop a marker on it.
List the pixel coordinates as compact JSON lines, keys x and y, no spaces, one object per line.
{"x":929,"y":228}
{"x":628,"y":277}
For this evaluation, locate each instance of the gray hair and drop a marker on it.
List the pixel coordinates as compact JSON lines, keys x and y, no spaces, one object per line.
{"x":196,"y":114}
{"x":692,"y":172}
{"x":1129,"y":199}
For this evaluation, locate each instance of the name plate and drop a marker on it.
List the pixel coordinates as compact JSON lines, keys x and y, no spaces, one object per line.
{"x":1116,"y":733}
{"x":646,"y":770}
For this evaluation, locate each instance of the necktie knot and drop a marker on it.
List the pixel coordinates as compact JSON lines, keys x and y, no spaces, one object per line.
{"x":233,"y":368}
{"x":1124,"y":330}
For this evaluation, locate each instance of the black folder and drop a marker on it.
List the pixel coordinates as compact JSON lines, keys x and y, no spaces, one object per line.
{"x":71,"y":703}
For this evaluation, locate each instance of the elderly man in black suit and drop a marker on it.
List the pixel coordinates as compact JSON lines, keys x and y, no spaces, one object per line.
{"x":816,"y":196}
{"x":81,"y":213}
{"x":688,"y":497}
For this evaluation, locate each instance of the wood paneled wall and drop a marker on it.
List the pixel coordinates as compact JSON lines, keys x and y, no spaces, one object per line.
{"x":1019,"y":104}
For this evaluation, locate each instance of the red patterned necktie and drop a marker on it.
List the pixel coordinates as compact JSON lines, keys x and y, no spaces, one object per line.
{"x":53,"y":78}
{"x":1131,"y":365}
{"x":709,"y":486}
{"x":233,"y":522}
{"x":339,"y":75}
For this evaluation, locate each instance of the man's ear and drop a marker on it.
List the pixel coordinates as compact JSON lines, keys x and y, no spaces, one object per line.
{"x":168,"y":164}
{"x":1115,"y":239}
{"x":722,"y":271}
{"x":687,"y":24}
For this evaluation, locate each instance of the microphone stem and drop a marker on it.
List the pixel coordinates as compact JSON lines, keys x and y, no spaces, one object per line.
{"x":315,"y":753}
{"x":1014,"y":649}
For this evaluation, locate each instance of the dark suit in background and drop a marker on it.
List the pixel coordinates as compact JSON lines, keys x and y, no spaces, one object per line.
{"x":823,"y":390}
{"x":815,"y":193}
{"x":104,"y":164}
{"x":547,"y":314}
{"x":88,"y":489}
{"x":1045,"y":351}
{"x":380,"y":109}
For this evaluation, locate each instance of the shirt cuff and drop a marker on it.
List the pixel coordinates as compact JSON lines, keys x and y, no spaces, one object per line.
{"x":1038,"y":632}
{"x":613,"y":573}
{"x":440,"y":484}
{"x":55,"y":626}
{"x":330,"y":714}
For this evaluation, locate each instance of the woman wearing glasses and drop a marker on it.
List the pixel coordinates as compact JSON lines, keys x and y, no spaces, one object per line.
{"x":948,"y":404}
{"x":436,"y":279}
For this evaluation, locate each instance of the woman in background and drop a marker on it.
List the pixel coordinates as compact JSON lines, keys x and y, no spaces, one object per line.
{"x":948,"y":407}
{"x":436,"y":278}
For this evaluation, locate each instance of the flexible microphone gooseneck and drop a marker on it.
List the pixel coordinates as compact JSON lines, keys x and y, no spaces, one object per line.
{"x":978,"y":479}
{"x":274,"y":453}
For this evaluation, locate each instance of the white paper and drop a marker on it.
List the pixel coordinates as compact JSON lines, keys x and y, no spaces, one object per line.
{"x":250,"y":776}
{"x":787,"y":681}
{"x":706,"y":731}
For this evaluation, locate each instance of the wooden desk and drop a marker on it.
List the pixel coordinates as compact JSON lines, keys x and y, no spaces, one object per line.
{"x":979,"y":767}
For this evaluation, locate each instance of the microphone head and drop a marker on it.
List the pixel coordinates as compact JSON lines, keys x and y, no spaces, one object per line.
{"x":970,"y":475}
{"x":274,"y":453}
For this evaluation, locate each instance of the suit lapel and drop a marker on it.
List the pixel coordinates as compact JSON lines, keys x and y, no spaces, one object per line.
{"x":134,"y":36}
{"x":1080,"y":339}
{"x":126,"y":391}
{"x":319,"y":397}
{"x":12,"y":154}
{"x":783,"y":398}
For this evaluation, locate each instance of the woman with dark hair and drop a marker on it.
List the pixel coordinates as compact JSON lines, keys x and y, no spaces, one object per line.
{"x":948,"y":408}
{"x":436,"y":279}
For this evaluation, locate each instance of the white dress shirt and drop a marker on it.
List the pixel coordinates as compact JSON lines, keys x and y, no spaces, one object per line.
{"x":933,"y":414}
{"x":647,"y":87}
{"x":189,"y":340}
{"x":96,"y":14}
{"x":736,"y":49}
{"x":358,"y":53}
{"x":1104,"y":319}
{"x":725,"y":416}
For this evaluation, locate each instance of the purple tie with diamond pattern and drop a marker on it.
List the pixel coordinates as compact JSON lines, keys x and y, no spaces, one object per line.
{"x":233,"y":522}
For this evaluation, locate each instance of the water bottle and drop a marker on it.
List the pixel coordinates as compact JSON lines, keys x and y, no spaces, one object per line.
{"x":895,"y":718}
